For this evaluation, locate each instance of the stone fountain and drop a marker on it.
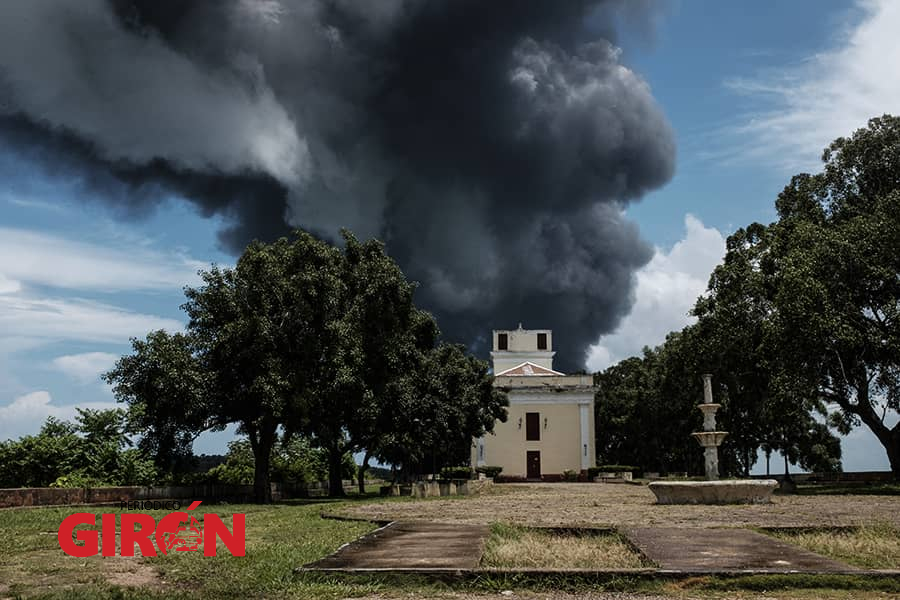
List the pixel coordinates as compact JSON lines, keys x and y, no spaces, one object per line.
{"x":712,"y":491}
{"x":709,"y":438}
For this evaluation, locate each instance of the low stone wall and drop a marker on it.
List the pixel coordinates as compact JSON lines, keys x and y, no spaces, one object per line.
{"x":846,"y":477}
{"x":319,"y":489}
{"x":433,"y":489}
{"x":13,"y":497}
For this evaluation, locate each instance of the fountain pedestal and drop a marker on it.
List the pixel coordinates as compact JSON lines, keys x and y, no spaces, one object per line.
{"x":710,"y":441}
{"x":712,"y":491}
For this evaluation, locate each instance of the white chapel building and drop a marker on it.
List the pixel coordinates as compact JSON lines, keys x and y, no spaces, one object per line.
{"x":550,"y":428}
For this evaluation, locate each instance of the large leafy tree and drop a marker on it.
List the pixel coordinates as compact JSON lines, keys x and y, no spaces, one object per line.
{"x":739,"y":335}
{"x":452,"y":400}
{"x":300,"y":338}
{"x":377,"y":340}
{"x":261,"y":332}
{"x":646,"y":408}
{"x":458,"y":402}
{"x":165,"y":390}
{"x":836,"y":267}
{"x":256,"y":337}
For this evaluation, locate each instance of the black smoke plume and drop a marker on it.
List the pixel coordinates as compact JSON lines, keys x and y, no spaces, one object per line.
{"x":492,"y":145}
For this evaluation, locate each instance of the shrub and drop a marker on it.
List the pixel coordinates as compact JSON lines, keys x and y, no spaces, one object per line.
{"x":616,"y":468}
{"x":570,"y":475}
{"x":489,"y":471}
{"x":456,"y":473}
{"x":593,"y":472}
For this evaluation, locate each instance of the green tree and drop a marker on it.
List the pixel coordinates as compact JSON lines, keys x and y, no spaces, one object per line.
{"x":645,"y":407}
{"x":458,"y":403}
{"x":39,"y":460}
{"x":378,"y":337}
{"x":739,"y":335}
{"x":450,"y":399}
{"x":836,"y":267}
{"x":92,"y":452}
{"x":294,"y":461}
{"x":164,"y":388}
{"x":262,"y":332}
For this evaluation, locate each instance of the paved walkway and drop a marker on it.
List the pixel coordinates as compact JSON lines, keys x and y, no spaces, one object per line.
{"x":717,"y":550}
{"x":424,"y":546}
{"x":411,"y":546}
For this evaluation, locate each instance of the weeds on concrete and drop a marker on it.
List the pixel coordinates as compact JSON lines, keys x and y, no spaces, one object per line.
{"x":874,"y":546}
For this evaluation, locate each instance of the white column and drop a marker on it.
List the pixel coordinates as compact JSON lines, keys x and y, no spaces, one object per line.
{"x":585,"y":435}
{"x":479,"y":453}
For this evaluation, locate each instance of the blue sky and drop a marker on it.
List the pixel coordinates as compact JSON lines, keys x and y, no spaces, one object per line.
{"x":753,"y":90}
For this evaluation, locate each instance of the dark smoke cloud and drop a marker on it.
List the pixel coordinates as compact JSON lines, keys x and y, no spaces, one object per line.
{"x":493,"y":145}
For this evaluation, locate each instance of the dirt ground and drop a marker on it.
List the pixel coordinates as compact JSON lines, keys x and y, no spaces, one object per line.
{"x":617,"y":505}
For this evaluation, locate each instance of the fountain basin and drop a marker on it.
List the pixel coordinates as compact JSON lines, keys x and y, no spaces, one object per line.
{"x":736,"y":491}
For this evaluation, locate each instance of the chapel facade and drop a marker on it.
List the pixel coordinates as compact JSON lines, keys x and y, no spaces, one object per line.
{"x":550,"y":424}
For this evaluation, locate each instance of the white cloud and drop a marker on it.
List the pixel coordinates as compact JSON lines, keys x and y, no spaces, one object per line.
{"x":26,"y":414}
{"x":55,"y":319}
{"x":39,"y":258}
{"x":9,"y":286}
{"x":831,"y":94}
{"x":666,"y":290}
{"x":86,"y":367}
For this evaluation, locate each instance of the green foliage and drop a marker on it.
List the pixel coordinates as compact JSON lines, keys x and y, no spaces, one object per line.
{"x":315,"y":341}
{"x":237,"y":468}
{"x":91,"y":452}
{"x":489,"y":470}
{"x":800,"y":325}
{"x":570,"y":475}
{"x":456,"y":473}
{"x":164,"y":387}
{"x":294,"y":461}
{"x":646,"y":407}
{"x":836,"y":291}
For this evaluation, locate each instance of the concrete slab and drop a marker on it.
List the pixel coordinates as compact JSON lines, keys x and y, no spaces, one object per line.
{"x":411,"y":546}
{"x":719,"y":550}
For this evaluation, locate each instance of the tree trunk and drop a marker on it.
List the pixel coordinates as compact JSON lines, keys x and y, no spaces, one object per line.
{"x":893,"y":451}
{"x":787,"y":485}
{"x":261,"y":442}
{"x":889,"y":437}
{"x":335,"y":470}
{"x":361,"y":473}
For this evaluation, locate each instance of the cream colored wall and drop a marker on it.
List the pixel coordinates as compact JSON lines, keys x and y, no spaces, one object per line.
{"x":522,"y":346}
{"x":503,"y":361}
{"x":524,"y":340}
{"x":560,"y":444}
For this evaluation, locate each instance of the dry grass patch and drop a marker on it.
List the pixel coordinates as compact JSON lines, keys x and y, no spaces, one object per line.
{"x":620,"y":506}
{"x":870,"y":546}
{"x":511,"y":546}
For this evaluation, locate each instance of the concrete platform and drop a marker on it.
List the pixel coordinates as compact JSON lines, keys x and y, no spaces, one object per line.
{"x":410,"y":546}
{"x":726,"y":550}
{"x":728,"y":491}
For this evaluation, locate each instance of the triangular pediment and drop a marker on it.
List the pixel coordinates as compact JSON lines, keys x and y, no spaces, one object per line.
{"x":528,"y":369}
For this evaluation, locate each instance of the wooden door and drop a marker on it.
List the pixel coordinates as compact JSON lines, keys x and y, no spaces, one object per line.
{"x":533,"y":463}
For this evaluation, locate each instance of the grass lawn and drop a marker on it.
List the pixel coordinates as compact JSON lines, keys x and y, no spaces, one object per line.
{"x":284,"y":536}
{"x":513,"y":546}
{"x":870,"y":546}
{"x":279,"y":538}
